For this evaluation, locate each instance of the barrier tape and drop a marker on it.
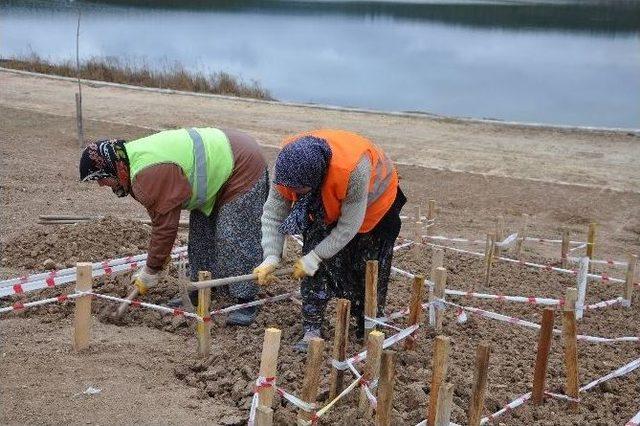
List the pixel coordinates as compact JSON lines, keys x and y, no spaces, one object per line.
{"x":580,"y":247}
{"x":524,"y":398}
{"x":507,"y":242}
{"x":72,"y":271}
{"x":261,"y":383}
{"x":270,"y":382}
{"x":608,"y":262}
{"x":453,"y":240}
{"x":402,"y":272}
{"x":522,"y":299}
{"x":546,"y":240}
{"x":367,"y":386}
{"x":54,"y":279}
{"x":507,"y":408}
{"x":512,"y":320}
{"x":343,"y":365}
{"x":403,"y":246}
{"x":635,"y":421}
{"x":511,"y":239}
{"x":625,"y":369}
{"x":254,"y":303}
{"x":563,"y":397}
{"x":165,"y":309}
{"x":19,"y":306}
{"x":379,"y":321}
{"x":605,"y":303}
{"x":602,"y":278}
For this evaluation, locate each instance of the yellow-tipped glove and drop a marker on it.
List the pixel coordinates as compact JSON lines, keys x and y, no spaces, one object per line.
{"x":144,"y":278}
{"x":265,"y":270}
{"x":307,"y":265}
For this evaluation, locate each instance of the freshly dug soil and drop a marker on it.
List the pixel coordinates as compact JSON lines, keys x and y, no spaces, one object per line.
{"x":65,"y":245}
{"x":226,"y":378}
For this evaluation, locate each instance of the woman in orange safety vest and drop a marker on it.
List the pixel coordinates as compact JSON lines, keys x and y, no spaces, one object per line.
{"x":340,"y":191}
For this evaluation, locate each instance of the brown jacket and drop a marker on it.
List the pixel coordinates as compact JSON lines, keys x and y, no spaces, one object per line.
{"x":162,"y":189}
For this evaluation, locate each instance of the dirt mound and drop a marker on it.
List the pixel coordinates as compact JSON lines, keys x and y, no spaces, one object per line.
{"x":65,"y":245}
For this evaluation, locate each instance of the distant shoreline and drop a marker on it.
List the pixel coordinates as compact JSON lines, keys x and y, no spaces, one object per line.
{"x":113,"y":70}
{"x":417,"y":114}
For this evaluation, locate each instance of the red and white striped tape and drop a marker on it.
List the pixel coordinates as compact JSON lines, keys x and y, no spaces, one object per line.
{"x":517,"y":321}
{"x":511,"y":238}
{"x":29,"y":283}
{"x":19,"y":306}
{"x":507,"y":408}
{"x":625,"y":369}
{"x":254,"y":303}
{"x":532,"y":300}
{"x":562,"y":397}
{"x":261,"y":383}
{"x":343,"y":365}
{"x":270,"y":382}
{"x":608,"y":262}
{"x":366,"y":385}
{"x":165,"y":309}
{"x":602,"y":278}
{"x":635,"y":421}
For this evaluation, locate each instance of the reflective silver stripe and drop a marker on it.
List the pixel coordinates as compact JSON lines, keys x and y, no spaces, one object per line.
{"x":199,"y":167}
{"x":381,"y":183}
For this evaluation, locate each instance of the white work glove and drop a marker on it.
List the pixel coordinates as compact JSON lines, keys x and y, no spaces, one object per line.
{"x":265,"y":270}
{"x":307,"y":265}
{"x":144,"y":278}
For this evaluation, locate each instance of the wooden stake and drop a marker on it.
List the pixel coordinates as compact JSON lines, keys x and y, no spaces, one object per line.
{"x":417,"y":246}
{"x":564,"y":249}
{"x":203,"y":329}
{"x":591,"y":243}
{"x":269,"y":362}
{"x":431,"y":216}
{"x":542,"y":357}
{"x":82,"y":315}
{"x":570,"y":341}
{"x":498,"y":235}
{"x":371,"y":369}
{"x":79,"y":120}
{"x":570,"y":297}
{"x":581,"y":283}
{"x":438,"y":373}
{"x":264,"y":416}
{"x":385,"y":388}
{"x":522,"y":235}
{"x":630,"y":279}
{"x":488,"y":257}
{"x":479,"y":384}
{"x":415,"y":308}
{"x":340,"y":340}
{"x":437,"y":261}
{"x":438,"y":293}
{"x":445,"y":404}
{"x":370,"y":297}
{"x":311,"y":377}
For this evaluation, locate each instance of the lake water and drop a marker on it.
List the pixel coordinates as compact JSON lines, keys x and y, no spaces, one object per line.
{"x":558,"y":62}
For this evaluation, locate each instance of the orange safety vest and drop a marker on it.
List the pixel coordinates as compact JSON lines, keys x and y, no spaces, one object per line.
{"x":347,"y":150}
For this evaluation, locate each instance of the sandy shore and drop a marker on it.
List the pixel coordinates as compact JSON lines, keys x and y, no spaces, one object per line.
{"x":597,"y":159}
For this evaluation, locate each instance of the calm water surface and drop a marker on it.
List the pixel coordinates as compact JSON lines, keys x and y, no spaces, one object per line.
{"x":559,"y":62}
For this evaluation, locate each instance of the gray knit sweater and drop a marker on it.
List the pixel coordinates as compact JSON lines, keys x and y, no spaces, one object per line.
{"x":354,"y":207}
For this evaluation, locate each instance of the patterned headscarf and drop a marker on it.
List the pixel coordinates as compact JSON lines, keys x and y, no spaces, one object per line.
{"x":106,"y":159}
{"x":303,"y":163}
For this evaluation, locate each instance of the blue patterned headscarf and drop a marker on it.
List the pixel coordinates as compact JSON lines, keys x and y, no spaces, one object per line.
{"x":303,"y":163}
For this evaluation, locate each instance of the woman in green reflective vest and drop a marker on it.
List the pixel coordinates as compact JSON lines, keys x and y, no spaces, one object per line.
{"x":220,"y":176}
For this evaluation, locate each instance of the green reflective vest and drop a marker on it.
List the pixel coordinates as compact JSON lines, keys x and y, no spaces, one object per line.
{"x":203,"y":154}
